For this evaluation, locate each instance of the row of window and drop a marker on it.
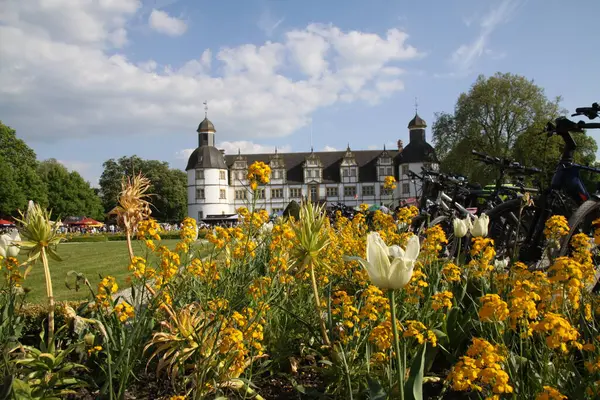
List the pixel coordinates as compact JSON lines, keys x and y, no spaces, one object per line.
{"x":317,"y":173}
{"x":277,"y":193}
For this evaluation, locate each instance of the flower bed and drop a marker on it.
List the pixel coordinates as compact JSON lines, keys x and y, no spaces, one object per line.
{"x":344,"y":309}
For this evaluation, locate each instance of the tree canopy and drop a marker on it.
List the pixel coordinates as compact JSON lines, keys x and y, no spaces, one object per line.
{"x":20,"y":180}
{"x":68,"y":193}
{"x":168,"y":186}
{"x":502,"y":115}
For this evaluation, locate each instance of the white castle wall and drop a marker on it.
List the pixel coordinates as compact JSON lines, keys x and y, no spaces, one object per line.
{"x":212,"y":204}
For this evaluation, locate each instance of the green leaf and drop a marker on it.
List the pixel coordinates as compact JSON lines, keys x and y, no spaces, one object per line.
{"x":6,"y":387}
{"x":21,"y":390}
{"x":413,"y":388}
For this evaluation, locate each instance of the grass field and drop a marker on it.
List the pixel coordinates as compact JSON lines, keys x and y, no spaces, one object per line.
{"x":91,"y":259}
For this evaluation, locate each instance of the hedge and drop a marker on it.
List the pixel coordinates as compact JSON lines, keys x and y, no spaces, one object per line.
{"x":86,"y":238}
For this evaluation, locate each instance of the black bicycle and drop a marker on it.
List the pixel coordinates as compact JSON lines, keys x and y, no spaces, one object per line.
{"x":518,"y":229}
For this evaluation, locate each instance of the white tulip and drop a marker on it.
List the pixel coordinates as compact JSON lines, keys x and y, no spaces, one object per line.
{"x":501,"y":264}
{"x":266,"y":228}
{"x":480,"y":225}
{"x":7,"y":246}
{"x":389,"y":267}
{"x":460,"y":228}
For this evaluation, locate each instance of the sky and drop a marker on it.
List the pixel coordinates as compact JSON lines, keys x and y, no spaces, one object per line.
{"x":83,"y":81}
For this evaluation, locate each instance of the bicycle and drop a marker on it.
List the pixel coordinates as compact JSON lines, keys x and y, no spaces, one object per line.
{"x":518,"y":231}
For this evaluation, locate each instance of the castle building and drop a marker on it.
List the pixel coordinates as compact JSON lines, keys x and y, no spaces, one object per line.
{"x":217,"y":184}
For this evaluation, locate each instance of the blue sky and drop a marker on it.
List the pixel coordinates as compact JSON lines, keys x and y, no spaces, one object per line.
{"x":83,"y":82}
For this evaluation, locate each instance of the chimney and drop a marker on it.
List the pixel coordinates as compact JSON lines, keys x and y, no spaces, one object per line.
{"x":400,"y":145}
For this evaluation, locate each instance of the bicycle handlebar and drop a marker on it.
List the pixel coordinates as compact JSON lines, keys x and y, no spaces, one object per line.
{"x":509,"y":165}
{"x":590,"y":112}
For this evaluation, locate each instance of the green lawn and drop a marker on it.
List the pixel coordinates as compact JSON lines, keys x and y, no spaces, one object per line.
{"x":91,"y":259}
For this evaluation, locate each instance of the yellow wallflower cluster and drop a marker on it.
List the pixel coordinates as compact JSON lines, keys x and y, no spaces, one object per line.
{"x":381,"y":336}
{"x":435,"y":238}
{"x":549,"y":393}
{"x":140,"y":270}
{"x":260,"y":287}
{"x":558,"y":331}
{"x":483,"y":253}
{"x":189,"y":231}
{"x":148,"y":229}
{"x":596,"y":225}
{"x":345,"y":313}
{"x":451,"y":273}
{"x":493,"y":309}
{"x":418,"y":281}
{"x":555,"y":228}
{"x":419,"y":331}
{"x":375,"y":306}
{"x":481,"y":370}
{"x":206,"y":270}
{"x":389,"y":183}
{"x":106,"y":288}
{"x":567,"y":276}
{"x":405,"y":215}
{"x":124,"y":311}
{"x":582,"y":246}
{"x":523,"y":299}
{"x":169,"y":265}
{"x":12,"y":275}
{"x":258,"y":172}
{"x":387,"y":228}
{"x":442,"y":300}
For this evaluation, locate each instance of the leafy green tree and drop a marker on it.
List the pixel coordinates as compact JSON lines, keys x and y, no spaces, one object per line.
{"x":22,"y":182}
{"x":68,"y":193}
{"x":501,"y":115}
{"x":169,"y":186}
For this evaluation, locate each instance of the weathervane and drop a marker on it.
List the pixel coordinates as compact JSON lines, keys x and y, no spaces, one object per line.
{"x":205,"y":108}
{"x":416,"y":106}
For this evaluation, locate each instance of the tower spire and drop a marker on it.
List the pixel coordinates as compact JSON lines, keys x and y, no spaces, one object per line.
{"x":205,"y":108}
{"x":416,"y":105}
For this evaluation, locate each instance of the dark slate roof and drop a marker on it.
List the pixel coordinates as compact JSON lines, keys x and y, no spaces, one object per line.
{"x":206,"y":126}
{"x":206,"y":157}
{"x":331,"y":160}
{"x":418,"y":151}
{"x":417,"y":122}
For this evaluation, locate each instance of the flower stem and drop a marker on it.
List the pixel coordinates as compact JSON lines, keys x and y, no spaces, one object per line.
{"x":50,"y":295}
{"x":400,"y":369}
{"x":129,"y":246}
{"x":315,"y":288}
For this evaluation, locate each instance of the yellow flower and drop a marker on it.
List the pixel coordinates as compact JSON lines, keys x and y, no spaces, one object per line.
{"x":556,"y":227}
{"x":451,"y":272}
{"x":442,"y":300}
{"x":124,"y":311}
{"x":389,"y":183}
{"x":258,"y":173}
{"x":493,"y":309}
{"x":549,"y":393}
{"x":558,"y":331}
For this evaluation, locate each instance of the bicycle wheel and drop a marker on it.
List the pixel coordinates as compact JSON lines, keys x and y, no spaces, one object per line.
{"x":508,"y":227}
{"x":581,"y":222}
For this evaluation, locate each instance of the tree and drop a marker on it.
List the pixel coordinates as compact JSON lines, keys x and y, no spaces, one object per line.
{"x":20,"y":161}
{"x":168,"y":186}
{"x":68,"y":193}
{"x":502,"y":116}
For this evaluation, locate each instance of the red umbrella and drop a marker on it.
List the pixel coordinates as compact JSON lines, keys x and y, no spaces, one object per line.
{"x":5,"y":222}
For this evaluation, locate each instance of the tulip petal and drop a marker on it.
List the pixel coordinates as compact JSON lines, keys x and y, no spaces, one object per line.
{"x":413,"y":247}
{"x":400,"y":273}
{"x":395,"y":251}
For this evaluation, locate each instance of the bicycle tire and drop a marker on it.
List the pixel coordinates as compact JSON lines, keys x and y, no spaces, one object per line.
{"x":579,"y":217}
{"x":495,"y":232}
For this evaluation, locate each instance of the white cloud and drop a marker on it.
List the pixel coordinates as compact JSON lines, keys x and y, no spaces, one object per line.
{"x":72,"y":75}
{"x":243,"y":146}
{"x":465,"y":56}
{"x":162,"y":22}
{"x":329,"y":148}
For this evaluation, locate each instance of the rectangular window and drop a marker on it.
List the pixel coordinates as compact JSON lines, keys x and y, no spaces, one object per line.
{"x":368,"y":190}
{"x":381,"y":172}
{"x":295,"y":192}
{"x":349,"y":191}
{"x":276,"y":174}
{"x":353,"y":172}
{"x":405,"y":188}
{"x":332,"y":192}
{"x":389,"y":171}
{"x":277,"y":193}
{"x":199,"y":194}
{"x":346,"y":173}
{"x":405,"y":169}
{"x":200,"y":215}
{"x":199,"y":174}
{"x":222,"y":175}
{"x":222,"y":194}
{"x":260,"y":193}
{"x":240,"y":194}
